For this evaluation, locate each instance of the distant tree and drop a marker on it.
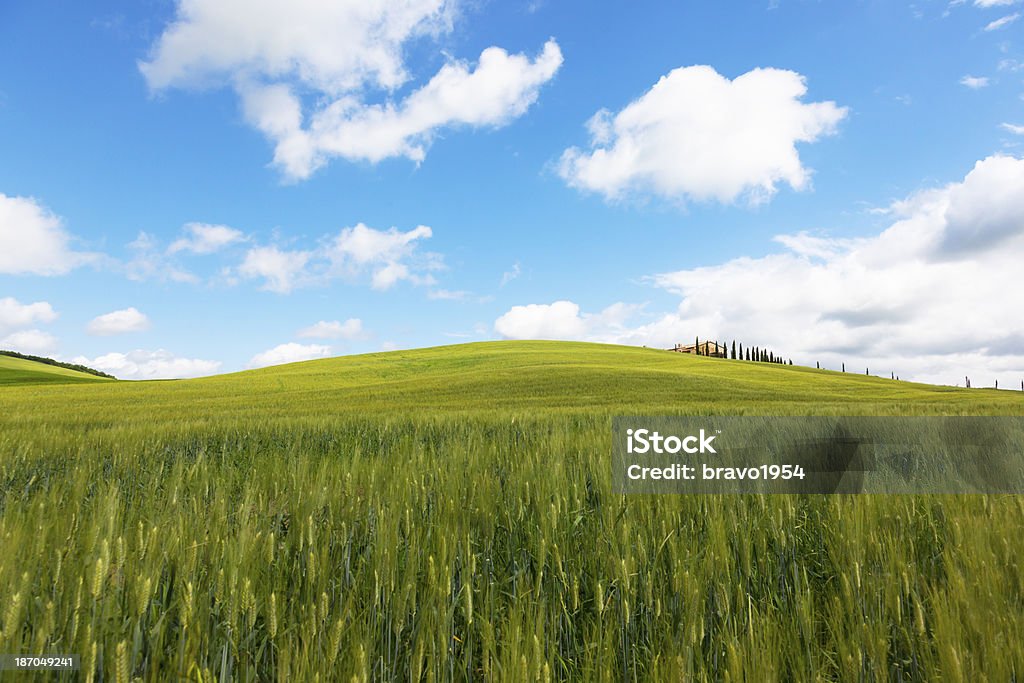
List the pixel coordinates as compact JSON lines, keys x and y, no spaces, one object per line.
{"x":696,"y":345}
{"x":790,"y":361}
{"x":741,"y":351}
{"x":733,"y":350}
{"x":771,"y":357}
{"x":748,"y":358}
{"x":817,"y":364}
{"x":844,"y":367}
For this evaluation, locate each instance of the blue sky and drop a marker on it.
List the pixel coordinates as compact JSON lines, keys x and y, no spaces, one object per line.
{"x":189,"y":188}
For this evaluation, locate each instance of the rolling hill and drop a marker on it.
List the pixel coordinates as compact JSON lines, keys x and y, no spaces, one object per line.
{"x":448,"y":514}
{"x":521,"y":377}
{"x":14,"y":370}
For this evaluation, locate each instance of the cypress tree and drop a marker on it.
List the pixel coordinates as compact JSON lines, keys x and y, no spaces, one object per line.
{"x":696,"y":345}
{"x":844,"y":367}
{"x":817,"y":364}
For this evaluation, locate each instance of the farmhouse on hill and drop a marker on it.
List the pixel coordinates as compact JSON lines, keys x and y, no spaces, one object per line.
{"x":704,"y":348}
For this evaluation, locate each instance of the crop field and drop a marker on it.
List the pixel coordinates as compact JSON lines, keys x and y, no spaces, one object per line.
{"x":447,"y":514}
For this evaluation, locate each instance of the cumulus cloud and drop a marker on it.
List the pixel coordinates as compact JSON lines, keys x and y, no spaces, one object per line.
{"x":33,"y":342}
{"x":142,"y":364}
{"x":289,"y":353}
{"x":118,"y":322}
{"x":698,"y":135}
{"x":385,"y":253}
{"x":204,"y":238}
{"x":281,"y":270}
{"x":994,"y":3}
{"x":335,"y":53}
{"x":1011,"y":128}
{"x":33,"y":240}
{"x":563,"y":320}
{"x":974,"y":82}
{"x":14,"y":314}
{"x":333,"y":329}
{"x":386,"y":256}
{"x":932,"y":297}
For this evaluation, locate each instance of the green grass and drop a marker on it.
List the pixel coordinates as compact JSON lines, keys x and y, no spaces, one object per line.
{"x":22,"y":371}
{"x":447,"y":514}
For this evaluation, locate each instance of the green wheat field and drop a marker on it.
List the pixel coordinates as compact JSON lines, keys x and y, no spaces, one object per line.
{"x":446,"y":514}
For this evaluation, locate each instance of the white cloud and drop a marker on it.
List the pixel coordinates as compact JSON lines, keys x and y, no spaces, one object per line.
{"x":333,"y":329}
{"x":33,"y":342}
{"x":1009,"y":127}
{"x":933,"y":297}
{"x":332,"y":46}
{"x":563,"y":320}
{"x":387,"y":256}
{"x":499,"y":89}
{"x":510,"y":275}
{"x":118,"y":322}
{"x":448,"y":294}
{"x":974,"y":82}
{"x":14,"y":314}
{"x":700,"y":136}
{"x":281,"y":270}
{"x":994,"y":3}
{"x":1002,"y":22}
{"x":289,"y":353}
{"x":335,"y":53}
{"x":204,"y":238}
{"x":390,"y":255}
{"x":149,"y":262}
{"x":33,"y":240}
{"x":142,"y":364}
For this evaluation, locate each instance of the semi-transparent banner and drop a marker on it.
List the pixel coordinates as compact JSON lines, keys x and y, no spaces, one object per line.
{"x":704,"y":454}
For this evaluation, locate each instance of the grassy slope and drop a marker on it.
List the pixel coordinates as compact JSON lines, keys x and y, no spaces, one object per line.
{"x":384,"y":511}
{"x":21,"y":371}
{"x":509,"y":377}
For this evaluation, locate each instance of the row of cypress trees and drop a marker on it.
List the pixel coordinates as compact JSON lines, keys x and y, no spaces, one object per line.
{"x":737,"y":352}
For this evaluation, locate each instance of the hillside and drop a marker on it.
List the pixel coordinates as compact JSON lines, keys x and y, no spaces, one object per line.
{"x":17,"y":370}
{"x":535,"y":377}
{"x":449,"y":514}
